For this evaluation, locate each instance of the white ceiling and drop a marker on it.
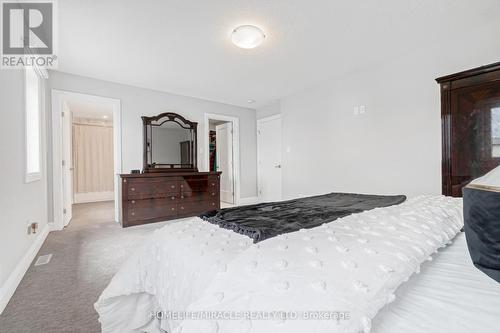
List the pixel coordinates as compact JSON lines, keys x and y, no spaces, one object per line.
{"x":183,"y":46}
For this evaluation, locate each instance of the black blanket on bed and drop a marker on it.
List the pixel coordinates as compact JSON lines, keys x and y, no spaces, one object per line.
{"x":266,"y":220}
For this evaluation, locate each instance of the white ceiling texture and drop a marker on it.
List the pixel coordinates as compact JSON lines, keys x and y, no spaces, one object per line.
{"x":183,"y":46}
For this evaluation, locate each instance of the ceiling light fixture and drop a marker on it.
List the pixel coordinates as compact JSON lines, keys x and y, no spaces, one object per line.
{"x":247,"y":36}
{"x":251,"y":101}
{"x":105,"y":117}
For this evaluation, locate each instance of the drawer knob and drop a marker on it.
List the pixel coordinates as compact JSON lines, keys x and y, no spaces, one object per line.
{"x":173,"y":198}
{"x":182,"y":185}
{"x":133,"y":213}
{"x":213,"y":193}
{"x":182,"y":197}
{"x":213,"y":184}
{"x":132,"y":189}
{"x":173,"y":208}
{"x":133,"y":201}
{"x":124,"y":180}
{"x":182,"y":207}
{"x":173,"y":186}
{"x":213,"y":203}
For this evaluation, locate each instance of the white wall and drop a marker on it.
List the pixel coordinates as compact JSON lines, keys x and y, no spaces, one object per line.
{"x":20,"y":202}
{"x":137,"y":102}
{"x":396,"y":146}
{"x":269,"y":110}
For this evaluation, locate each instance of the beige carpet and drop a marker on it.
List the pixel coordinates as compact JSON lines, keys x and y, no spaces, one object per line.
{"x":59,"y":296}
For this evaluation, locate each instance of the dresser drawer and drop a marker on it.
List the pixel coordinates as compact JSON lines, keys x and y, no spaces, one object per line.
{"x":151,"y":208}
{"x":151,"y":188}
{"x":197,"y":208}
{"x":194,"y":185}
{"x":199,"y":196}
{"x":213,"y":183}
{"x":199,"y":185}
{"x":171,"y":198}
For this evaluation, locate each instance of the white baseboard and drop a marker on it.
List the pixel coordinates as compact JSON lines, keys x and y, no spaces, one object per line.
{"x":94,"y":196}
{"x":249,"y":200}
{"x":12,"y":282}
{"x":53,"y":227}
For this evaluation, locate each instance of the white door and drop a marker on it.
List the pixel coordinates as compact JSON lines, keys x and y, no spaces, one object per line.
{"x":67,"y":168}
{"x":224,"y":160}
{"x":269,"y":158}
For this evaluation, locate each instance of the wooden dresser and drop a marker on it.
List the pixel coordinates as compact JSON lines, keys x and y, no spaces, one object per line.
{"x":153,"y":197}
{"x":170,"y":186}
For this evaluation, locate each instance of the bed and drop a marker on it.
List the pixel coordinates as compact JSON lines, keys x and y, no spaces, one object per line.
{"x":449,"y":295}
{"x":358,"y":273}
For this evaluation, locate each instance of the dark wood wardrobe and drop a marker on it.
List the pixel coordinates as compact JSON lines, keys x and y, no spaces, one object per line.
{"x":470,"y":113}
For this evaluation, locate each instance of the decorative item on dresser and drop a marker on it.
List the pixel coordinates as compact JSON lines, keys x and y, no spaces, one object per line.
{"x":170,"y":185}
{"x":470,"y":118}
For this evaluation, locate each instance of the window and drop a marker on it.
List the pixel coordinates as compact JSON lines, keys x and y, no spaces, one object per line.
{"x":32,"y":121}
{"x":495,"y":132}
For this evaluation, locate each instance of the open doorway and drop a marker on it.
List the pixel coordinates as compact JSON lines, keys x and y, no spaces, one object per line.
{"x":87,"y":159}
{"x":222,"y":155}
{"x":92,"y":152}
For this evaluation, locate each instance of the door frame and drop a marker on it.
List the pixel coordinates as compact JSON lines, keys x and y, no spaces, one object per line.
{"x":228,"y":126}
{"x":259,"y":172}
{"x":58,"y":97}
{"x":67,"y":125}
{"x":236,"y":149}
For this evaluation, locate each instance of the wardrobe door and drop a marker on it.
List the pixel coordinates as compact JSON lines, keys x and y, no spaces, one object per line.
{"x":475,"y":133}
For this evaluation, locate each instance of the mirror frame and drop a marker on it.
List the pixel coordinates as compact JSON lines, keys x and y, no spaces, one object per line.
{"x":184,"y":123}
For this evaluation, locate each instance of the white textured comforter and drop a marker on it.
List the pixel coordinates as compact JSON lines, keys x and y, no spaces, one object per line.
{"x":291,"y":283}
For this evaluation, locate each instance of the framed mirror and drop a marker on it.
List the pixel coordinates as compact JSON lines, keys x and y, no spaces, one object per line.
{"x":169,"y":143}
